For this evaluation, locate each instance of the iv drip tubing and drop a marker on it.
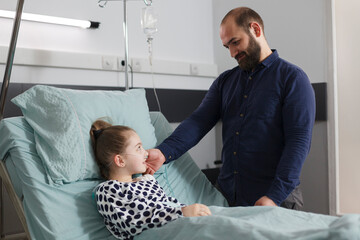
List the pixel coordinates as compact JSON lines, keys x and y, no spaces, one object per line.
{"x":152,"y":73}
{"x":153,"y":81}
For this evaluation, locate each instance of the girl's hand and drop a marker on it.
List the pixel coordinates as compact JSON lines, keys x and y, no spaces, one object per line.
{"x":196,"y":210}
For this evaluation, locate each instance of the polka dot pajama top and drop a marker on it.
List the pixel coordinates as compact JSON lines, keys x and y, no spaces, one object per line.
{"x":130,"y":208}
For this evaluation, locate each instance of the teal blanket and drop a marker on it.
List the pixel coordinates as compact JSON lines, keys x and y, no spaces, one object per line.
{"x":258,"y":223}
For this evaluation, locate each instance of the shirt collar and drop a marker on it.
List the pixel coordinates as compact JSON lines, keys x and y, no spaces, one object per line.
{"x":270,"y":59}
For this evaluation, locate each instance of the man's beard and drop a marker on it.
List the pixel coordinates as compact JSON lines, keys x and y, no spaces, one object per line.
{"x":252,"y":55}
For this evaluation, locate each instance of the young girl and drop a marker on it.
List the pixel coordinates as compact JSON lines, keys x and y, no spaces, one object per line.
{"x":130,"y":206}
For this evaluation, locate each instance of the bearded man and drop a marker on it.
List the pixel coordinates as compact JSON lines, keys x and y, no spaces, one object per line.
{"x":267,"y":109}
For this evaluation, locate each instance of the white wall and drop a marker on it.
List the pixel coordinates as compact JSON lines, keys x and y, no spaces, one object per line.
{"x":298,"y":30}
{"x":348,"y":72}
{"x":171,"y":42}
{"x":298,"y":37}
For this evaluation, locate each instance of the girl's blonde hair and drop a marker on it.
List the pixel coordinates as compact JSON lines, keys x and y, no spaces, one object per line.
{"x":107,"y":141}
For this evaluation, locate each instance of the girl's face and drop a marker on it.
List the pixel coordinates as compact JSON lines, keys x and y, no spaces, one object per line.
{"x":135,"y":155}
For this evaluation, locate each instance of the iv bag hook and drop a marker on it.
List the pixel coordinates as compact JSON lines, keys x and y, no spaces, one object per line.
{"x":148,"y":3}
{"x":102,"y":3}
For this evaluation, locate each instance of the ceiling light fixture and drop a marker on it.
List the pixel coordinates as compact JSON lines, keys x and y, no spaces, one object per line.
{"x":51,"y":19}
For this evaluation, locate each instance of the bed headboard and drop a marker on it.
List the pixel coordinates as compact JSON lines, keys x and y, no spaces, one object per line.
{"x":176,"y":104}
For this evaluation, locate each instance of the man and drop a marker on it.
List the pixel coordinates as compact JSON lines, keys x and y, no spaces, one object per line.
{"x":267,"y":107}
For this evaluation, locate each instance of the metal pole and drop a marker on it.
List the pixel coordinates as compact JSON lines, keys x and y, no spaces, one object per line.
{"x":10,"y":58}
{"x":4,"y":89}
{"x":126,"y":49}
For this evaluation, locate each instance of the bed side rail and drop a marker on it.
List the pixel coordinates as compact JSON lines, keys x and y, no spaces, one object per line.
{"x":17,"y":204}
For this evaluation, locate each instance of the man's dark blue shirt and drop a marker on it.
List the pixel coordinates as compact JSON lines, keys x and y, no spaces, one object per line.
{"x":267,"y":119}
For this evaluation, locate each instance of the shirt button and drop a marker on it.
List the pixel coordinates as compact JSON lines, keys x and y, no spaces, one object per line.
{"x":245,"y":96}
{"x":169,"y":157}
{"x":237,"y":133}
{"x":234,"y":153}
{"x":235,"y":172}
{"x":250,"y":78}
{"x":241,"y":115}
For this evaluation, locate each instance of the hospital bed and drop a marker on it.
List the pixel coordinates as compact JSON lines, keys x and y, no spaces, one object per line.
{"x":55,"y":199}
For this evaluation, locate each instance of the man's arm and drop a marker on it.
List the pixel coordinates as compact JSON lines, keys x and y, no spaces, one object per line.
{"x":189,"y":132}
{"x":298,"y":119}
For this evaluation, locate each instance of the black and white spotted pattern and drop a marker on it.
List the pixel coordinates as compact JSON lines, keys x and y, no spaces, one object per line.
{"x":130,"y":208}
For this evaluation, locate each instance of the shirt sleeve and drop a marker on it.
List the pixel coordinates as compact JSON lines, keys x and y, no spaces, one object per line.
{"x":298,"y":119}
{"x":174,"y":200}
{"x":195,"y":127}
{"x":133,"y":214}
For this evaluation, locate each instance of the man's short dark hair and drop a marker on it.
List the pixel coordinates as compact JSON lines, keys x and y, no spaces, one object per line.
{"x":243,"y":16}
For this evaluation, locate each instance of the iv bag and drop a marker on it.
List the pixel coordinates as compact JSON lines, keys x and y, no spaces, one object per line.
{"x":148,"y":21}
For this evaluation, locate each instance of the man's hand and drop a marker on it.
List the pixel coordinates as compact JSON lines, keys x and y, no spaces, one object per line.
{"x":265,"y":201}
{"x":154,"y":161}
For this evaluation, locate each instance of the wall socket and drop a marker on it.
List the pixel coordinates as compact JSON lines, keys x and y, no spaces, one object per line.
{"x":194,"y":69}
{"x":136,"y":65}
{"x":108,"y":62}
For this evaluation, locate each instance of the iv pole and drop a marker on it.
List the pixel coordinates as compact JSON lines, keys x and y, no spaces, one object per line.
{"x":147,"y":3}
{"x":4,"y":89}
{"x":11,"y":54}
{"x":126,"y":48}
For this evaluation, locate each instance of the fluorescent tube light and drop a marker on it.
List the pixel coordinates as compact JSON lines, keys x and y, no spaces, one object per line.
{"x":51,"y":19}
